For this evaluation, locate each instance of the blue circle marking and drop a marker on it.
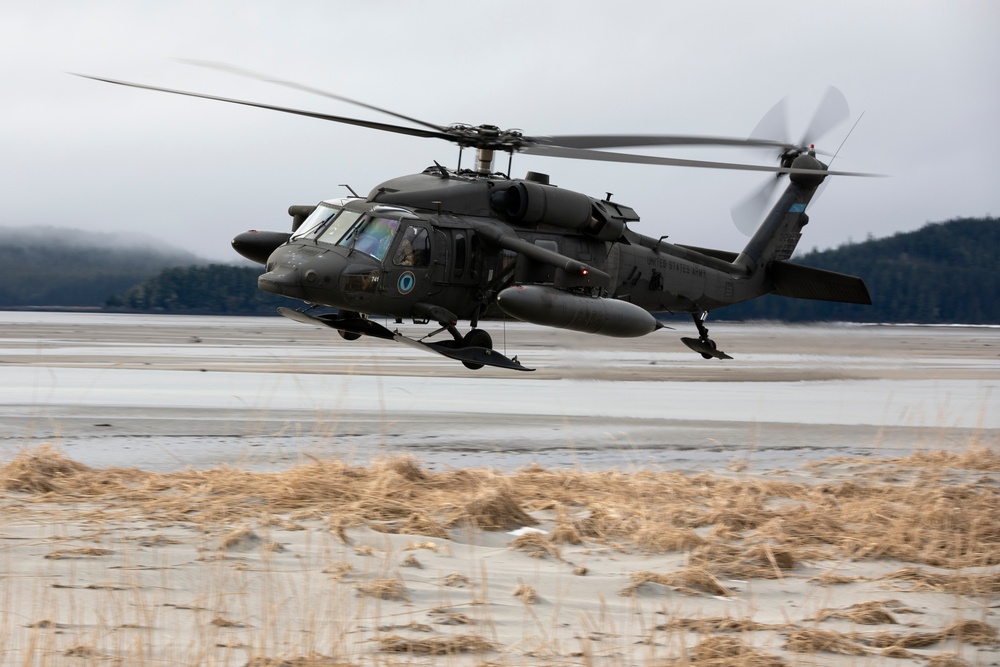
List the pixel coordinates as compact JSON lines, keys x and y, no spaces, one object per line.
{"x":406,"y":283}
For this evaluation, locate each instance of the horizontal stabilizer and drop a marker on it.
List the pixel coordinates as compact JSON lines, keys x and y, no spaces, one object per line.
{"x":806,"y":282}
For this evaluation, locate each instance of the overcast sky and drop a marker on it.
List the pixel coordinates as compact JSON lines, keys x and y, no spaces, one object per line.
{"x":79,"y":153}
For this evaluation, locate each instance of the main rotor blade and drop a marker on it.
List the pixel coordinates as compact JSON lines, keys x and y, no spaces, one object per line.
{"x":603,"y":156}
{"x":637,"y":140}
{"x":267,"y":78}
{"x":832,"y":111}
{"x":384,"y":127}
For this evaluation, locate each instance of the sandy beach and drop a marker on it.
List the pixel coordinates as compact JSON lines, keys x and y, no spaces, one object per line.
{"x":255,"y":492}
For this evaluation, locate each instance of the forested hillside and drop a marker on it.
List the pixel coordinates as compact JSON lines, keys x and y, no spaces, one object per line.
{"x":215,"y":289}
{"x":54,"y":267}
{"x":942,"y":273}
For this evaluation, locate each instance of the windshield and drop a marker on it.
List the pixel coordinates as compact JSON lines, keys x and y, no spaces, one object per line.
{"x":319,"y":217}
{"x":335,"y":232}
{"x":372,"y":237}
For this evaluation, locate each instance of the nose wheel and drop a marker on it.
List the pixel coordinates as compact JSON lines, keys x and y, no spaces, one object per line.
{"x":704,"y":345}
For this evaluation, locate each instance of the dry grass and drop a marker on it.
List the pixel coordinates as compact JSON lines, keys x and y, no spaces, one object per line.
{"x":951,"y":526}
{"x":719,"y":528}
{"x":525,"y":593}
{"x":863,"y":613}
{"x":814,"y":640}
{"x":435,"y":645}
{"x":383,"y":589}
{"x":535,"y":545}
{"x":711,"y":625}
{"x":722,"y":651}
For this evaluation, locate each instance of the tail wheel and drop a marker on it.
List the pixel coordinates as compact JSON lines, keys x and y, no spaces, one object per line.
{"x":476,"y":338}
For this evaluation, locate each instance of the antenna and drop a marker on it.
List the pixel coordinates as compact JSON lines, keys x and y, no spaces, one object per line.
{"x":845,"y":138}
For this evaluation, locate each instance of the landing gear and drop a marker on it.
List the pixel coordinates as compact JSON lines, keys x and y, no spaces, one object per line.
{"x":704,"y":345}
{"x":474,"y":350}
{"x":476,"y":338}
{"x":350,"y":315}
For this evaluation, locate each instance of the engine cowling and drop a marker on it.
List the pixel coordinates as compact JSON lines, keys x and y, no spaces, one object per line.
{"x":530,"y":203}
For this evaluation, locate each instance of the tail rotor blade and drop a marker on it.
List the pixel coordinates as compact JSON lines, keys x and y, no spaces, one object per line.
{"x":774,"y":124}
{"x":832,"y":111}
{"x":748,"y":213}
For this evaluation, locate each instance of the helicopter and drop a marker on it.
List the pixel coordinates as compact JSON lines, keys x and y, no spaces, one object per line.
{"x":471,"y":244}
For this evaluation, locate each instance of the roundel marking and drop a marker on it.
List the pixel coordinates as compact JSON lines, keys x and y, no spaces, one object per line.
{"x":406,"y":282}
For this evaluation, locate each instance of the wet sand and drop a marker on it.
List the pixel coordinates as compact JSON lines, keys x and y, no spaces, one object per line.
{"x":177,"y":391}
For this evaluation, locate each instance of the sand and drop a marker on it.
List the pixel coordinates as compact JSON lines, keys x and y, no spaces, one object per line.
{"x":851,"y":562}
{"x":882,"y":547}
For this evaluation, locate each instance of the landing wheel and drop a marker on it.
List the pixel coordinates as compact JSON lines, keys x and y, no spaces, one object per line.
{"x":710,"y":344}
{"x":349,"y":335}
{"x":476,"y":338}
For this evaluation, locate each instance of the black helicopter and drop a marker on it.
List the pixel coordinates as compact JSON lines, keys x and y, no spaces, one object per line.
{"x":447,"y":245}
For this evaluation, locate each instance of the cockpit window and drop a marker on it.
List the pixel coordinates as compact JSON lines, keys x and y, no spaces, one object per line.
{"x":336,"y":231}
{"x":319,"y":217}
{"x":414,"y":249}
{"x":372,"y":237}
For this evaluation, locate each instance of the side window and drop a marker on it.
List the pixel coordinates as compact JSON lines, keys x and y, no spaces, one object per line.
{"x":414,"y":248}
{"x":461,"y":255}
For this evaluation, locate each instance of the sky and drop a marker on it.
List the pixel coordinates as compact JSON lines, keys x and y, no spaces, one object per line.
{"x":924,"y":77}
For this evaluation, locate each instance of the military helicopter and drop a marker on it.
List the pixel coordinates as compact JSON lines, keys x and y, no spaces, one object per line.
{"x":454,"y":244}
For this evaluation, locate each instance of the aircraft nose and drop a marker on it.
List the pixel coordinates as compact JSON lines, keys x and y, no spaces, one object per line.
{"x":283,"y":280}
{"x":303,"y":273}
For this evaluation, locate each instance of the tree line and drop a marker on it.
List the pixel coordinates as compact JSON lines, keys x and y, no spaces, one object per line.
{"x":942,"y":273}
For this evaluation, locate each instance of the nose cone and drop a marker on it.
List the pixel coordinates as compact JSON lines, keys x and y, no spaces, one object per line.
{"x":283,"y":280}
{"x":306,"y":273}
{"x":258,"y":246}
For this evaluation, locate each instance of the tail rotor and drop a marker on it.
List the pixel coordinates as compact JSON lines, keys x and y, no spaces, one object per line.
{"x":833,"y":110}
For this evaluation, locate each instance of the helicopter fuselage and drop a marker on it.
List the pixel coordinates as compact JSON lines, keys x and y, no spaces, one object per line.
{"x":458,"y":240}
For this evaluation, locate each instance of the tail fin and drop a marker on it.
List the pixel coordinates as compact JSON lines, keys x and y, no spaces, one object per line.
{"x":777,"y":236}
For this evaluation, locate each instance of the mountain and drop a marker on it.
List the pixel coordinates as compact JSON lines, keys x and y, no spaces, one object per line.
{"x":946,"y":272}
{"x":58,"y":267}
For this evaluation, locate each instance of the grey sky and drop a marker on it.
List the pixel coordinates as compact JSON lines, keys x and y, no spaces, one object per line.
{"x":79,"y":153}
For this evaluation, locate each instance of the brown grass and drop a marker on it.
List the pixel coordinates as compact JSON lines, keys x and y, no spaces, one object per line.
{"x":715,"y":624}
{"x":435,"y":645}
{"x":525,"y":594}
{"x":863,"y":613}
{"x":535,"y":545}
{"x":722,"y":651}
{"x":690,"y":580}
{"x":383,"y":589}
{"x":813,"y":640}
{"x":746,"y":528}
{"x":723,"y":527}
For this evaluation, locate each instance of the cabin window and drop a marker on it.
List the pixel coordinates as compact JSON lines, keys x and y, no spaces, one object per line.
{"x":461,"y":255}
{"x":414,"y":248}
